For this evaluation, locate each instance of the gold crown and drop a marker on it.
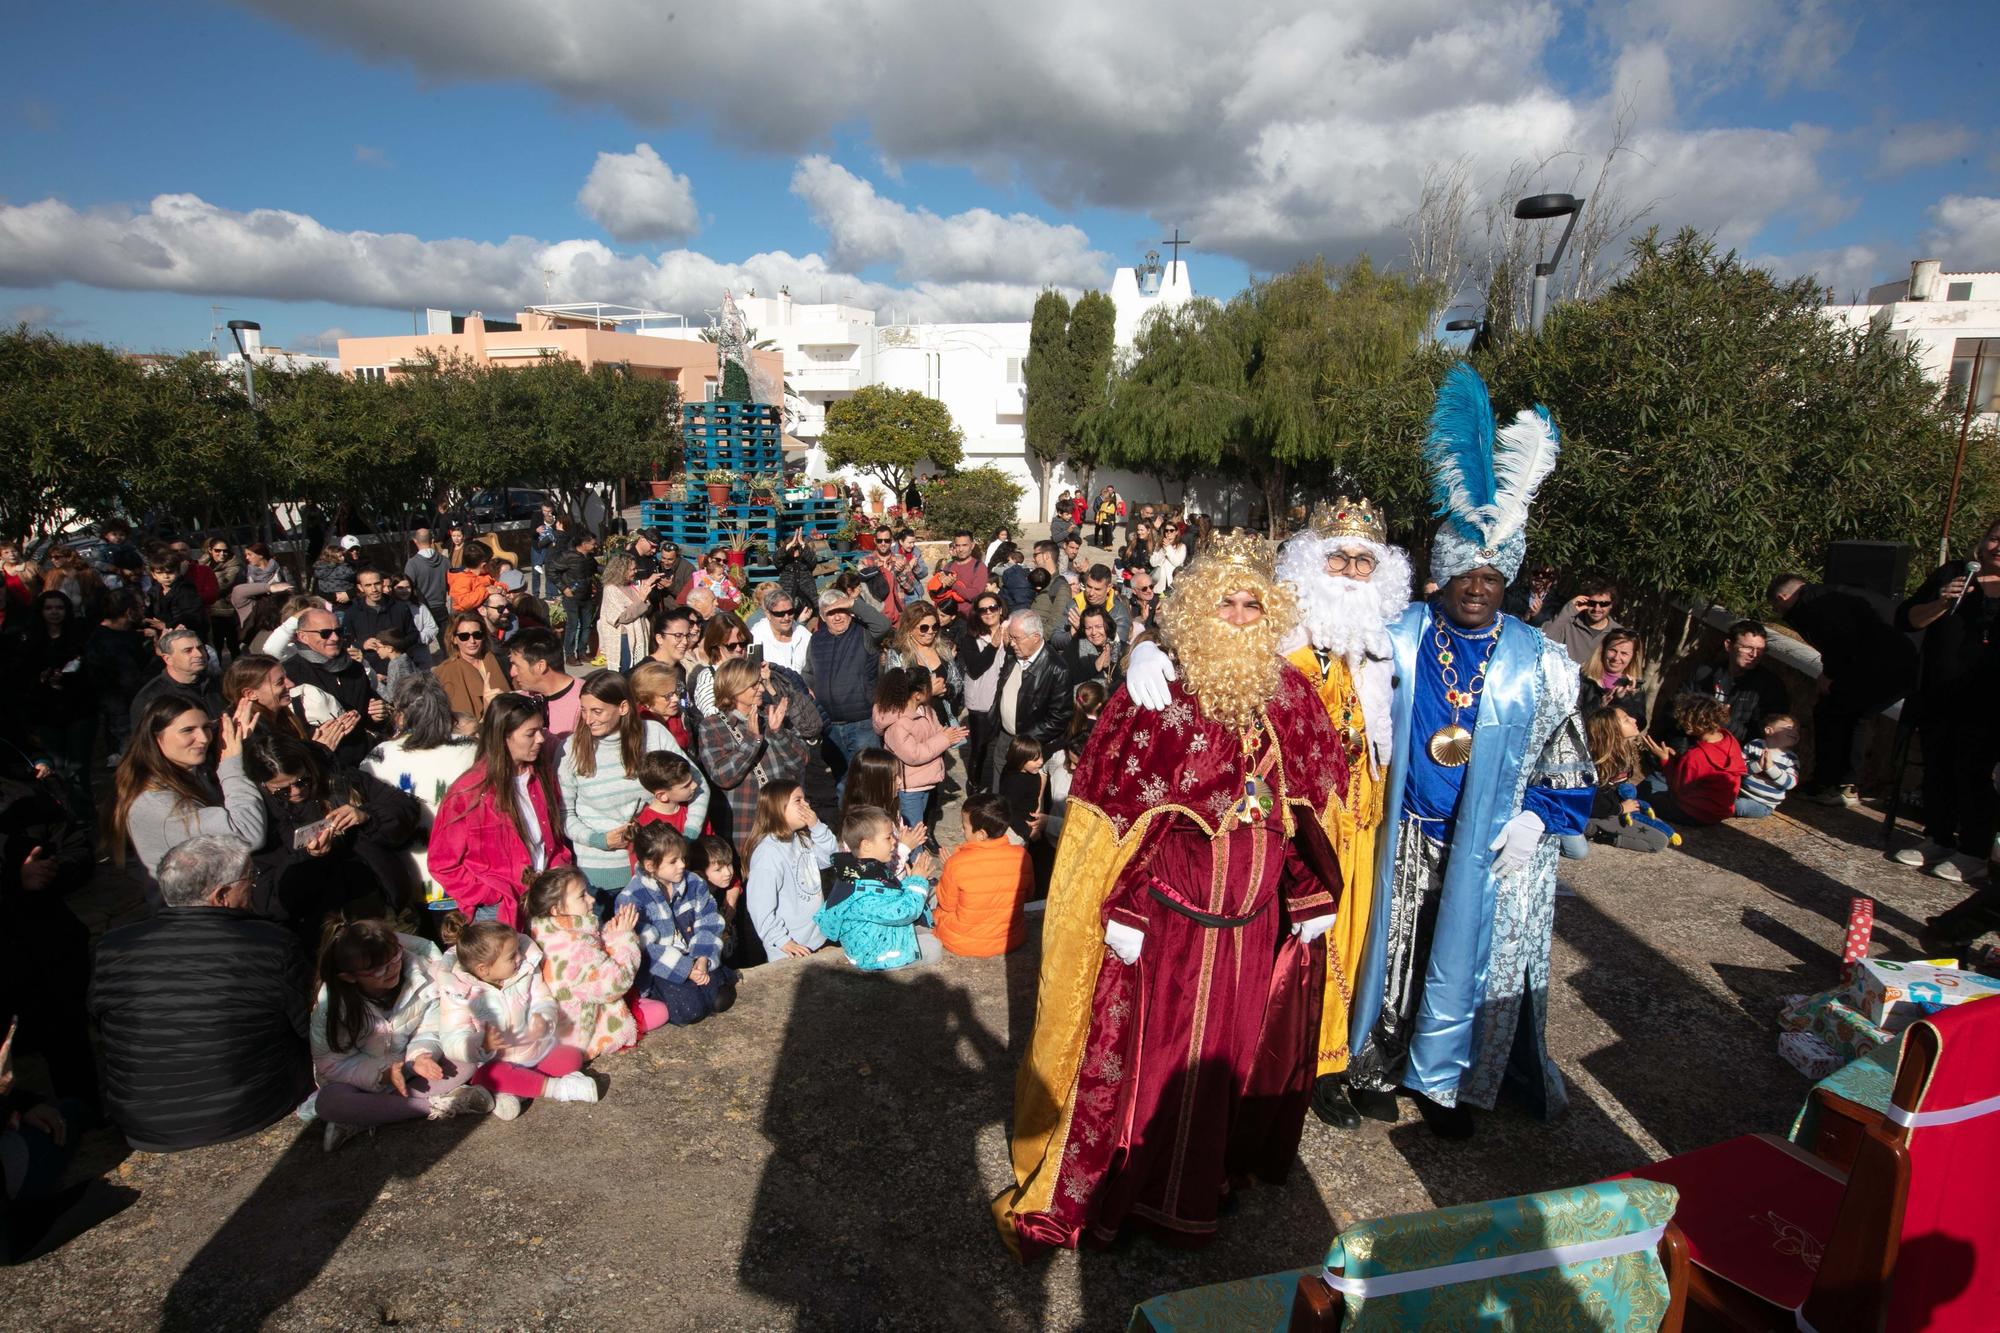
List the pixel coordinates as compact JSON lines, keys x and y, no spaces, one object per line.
{"x":1244,"y":550}
{"x":1344,"y":518}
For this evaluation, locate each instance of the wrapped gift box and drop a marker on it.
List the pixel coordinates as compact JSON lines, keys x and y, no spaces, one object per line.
{"x":1895,"y":995}
{"x":1828,"y":1016}
{"x":1809,"y":1055}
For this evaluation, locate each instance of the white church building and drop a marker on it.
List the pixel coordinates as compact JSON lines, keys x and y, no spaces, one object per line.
{"x":976,"y":370}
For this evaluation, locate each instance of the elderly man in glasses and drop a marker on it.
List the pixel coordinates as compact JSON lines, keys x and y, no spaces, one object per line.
{"x":1587,"y":618}
{"x":785,"y":641}
{"x":330,"y":679}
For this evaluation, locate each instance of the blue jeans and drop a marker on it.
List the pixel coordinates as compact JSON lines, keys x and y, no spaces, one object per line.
{"x":578,"y":612}
{"x":1749,"y":809}
{"x":913,"y":805}
{"x":1573,"y":846}
{"x":850,"y":738}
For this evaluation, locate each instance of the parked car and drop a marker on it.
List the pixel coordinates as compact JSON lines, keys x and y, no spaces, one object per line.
{"x":505,"y":506}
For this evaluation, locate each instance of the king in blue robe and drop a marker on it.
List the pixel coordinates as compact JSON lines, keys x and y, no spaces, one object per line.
{"x":1490,"y":766}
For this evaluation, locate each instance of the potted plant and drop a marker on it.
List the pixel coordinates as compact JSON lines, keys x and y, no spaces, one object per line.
{"x":763,"y":488}
{"x":661,"y":487}
{"x":844,"y":535}
{"x":875,"y":498}
{"x":830,"y":489}
{"x":718,"y":487}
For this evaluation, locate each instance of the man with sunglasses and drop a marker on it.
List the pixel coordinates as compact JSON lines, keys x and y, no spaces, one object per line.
{"x":329,"y":679}
{"x":1587,"y":618}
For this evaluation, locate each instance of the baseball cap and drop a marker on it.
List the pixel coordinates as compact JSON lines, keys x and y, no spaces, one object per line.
{"x":350,"y":543}
{"x":648,"y":534}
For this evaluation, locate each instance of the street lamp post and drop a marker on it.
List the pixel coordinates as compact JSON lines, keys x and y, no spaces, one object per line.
{"x":1536,"y":208}
{"x":1481,"y":334}
{"x":237,"y":328}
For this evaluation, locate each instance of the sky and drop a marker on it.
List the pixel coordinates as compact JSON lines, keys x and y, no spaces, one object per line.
{"x":329,"y":168}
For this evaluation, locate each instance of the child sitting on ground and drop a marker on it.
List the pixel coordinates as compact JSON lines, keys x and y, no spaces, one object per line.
{"x":670,"y":782}
{"x":375,"y":1046}
{"x":680,"y":930}
{"x":985,"y":884}
{"x":588,"y":967}
{"x":1617,"y":815}
{"x":1703,"y":780}
{"x":1770,"y":768}
{"x":495,"y":1011}
{"x":867,"y":913}
{"x":714,"y":859}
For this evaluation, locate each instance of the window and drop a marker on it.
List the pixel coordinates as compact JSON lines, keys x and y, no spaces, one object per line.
{"x":709,"y":389}
{"x":1986,"y":397}
{"x":1958,"y":291}
{"x":373,"y":374}
{"x":1014,"y":369}
{"x":934,"y":374}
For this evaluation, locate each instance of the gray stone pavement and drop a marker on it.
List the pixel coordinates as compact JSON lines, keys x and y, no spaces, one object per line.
{"x":821,"y":1157}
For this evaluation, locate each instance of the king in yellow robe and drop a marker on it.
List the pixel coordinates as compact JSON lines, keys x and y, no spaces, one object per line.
{"x":1351,"y":824}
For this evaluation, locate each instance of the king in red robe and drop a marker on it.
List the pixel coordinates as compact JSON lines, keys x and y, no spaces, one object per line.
{"x":1182,"y":969}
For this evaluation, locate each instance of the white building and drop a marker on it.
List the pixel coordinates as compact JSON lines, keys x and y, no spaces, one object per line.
{"x":273,"y":358}
{"x":1947,"y":318}
{"x":975,"y":370}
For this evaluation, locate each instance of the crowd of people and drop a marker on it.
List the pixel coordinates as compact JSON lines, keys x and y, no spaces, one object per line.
{"x":414,"y":846}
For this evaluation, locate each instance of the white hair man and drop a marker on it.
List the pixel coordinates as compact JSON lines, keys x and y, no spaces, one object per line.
{"x":1351,"y":585}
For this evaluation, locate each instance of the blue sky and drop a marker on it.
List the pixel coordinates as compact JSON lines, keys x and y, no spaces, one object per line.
{"x":891,"y":154}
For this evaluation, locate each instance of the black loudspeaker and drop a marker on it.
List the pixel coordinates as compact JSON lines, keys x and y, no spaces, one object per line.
{"x":1882,"y":568}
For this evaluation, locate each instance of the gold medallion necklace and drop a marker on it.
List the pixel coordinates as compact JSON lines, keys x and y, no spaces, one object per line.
{"x":1451,"y":744}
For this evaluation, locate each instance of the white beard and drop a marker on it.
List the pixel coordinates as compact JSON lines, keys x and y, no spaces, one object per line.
{"x":1350,"y":620}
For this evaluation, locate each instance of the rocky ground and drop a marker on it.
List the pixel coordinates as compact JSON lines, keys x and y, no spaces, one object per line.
{"x":822,"y":1156}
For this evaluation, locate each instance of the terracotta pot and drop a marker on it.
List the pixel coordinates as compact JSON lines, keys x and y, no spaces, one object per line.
{"x":718,"y":493}
{"x":661,"y":489}
{"x":829,"y":492}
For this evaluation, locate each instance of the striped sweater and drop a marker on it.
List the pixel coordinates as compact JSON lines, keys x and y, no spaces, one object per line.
{"x":608,"y":798}
{"x":1771,"y":773}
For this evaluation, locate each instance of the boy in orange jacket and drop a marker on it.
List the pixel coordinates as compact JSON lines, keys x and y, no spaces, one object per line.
{"x":986,"y":885}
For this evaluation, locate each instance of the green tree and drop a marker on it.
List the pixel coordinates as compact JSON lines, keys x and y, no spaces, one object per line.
{"x":887,"y":433}
{"x":1092,"y":344}
{"x":195,"y":456}
{"x":1049,"y":418}
{"x":68,"y":412}
{"x":977,"y":500}
{"x":1719,"y":428}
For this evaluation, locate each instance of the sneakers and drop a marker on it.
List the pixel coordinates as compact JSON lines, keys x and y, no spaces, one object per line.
{"x":506,"y":1106}
{"x":1834,"y":796}
{"x":467,"y":1100}
{"x":577,"y":1087}
{"x":1958,"y":868}
{"x":1921,"y":856}
{"x":338,"y":1134}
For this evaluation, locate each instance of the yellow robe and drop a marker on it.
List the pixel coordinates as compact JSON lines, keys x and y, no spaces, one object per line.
{"x":1351,"y":827}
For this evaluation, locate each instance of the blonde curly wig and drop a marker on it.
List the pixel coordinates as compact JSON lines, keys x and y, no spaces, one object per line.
{"x":1232,"y":670}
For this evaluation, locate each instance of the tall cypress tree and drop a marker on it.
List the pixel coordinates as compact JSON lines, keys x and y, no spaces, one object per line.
{"x":1050,"y":375}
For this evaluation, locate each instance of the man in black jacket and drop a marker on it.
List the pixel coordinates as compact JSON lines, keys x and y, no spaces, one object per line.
{"x":1737,"y":678}
{"x":376,"y":611}
{"x":329,"y":681}
{"x":573,"y":572}
{"x":45,"y":854}
{"x":841,"y":666}
{"x":1865,"y":666}
{"x":184,"y":671}
{"x":1033,"y":698}
{"x":203,"y":1009}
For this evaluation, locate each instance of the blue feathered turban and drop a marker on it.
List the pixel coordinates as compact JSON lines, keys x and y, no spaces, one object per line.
{"x":1483,"y":482}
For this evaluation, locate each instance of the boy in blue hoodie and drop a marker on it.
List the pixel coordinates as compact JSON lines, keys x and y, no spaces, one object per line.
{"x":680,"y":930}
{"x":868,"y":912}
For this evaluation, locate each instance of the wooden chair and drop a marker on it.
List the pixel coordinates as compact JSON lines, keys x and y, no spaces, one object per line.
{"x":1882,"y":1221}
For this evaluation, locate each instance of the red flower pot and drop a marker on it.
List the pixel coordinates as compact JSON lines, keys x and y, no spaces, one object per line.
{"x":718,"y":493}
{"x":866,"y":540}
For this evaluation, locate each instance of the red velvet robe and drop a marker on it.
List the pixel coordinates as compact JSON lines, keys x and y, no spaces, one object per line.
{"x":1197,"y":1063}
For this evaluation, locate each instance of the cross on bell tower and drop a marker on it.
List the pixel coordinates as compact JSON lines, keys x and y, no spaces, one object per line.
{"x":1176,"y":243}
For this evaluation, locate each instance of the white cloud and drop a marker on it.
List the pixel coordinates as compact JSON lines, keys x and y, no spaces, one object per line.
{"x":1922,"y":144}
{"x":866,"y":230}
{"x":183,"y":243}
{"x":636,"y":197}
{"x":36,"y":316}
{"x":1293,"y":128}
{"x":1965,"y":232}
{"x":1847,"y":272}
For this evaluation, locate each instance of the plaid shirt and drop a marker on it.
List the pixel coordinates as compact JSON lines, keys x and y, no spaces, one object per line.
{"x":739,"y":765}
{"x":675,"y":930}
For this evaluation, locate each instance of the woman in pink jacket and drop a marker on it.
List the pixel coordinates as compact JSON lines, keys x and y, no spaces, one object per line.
{"x":495,"y":829}
{"x":910,"y":731}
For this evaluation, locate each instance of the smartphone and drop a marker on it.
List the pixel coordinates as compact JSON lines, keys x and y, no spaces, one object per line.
{"x":757,"y":655}
{"x":302,"y":836}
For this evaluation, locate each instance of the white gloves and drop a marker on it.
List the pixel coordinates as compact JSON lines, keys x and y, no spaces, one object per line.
{"x":1123,"y":940}
{"x":1147,"y":673}
{"x":1308,"y":931}
{"x":1516,"y":843}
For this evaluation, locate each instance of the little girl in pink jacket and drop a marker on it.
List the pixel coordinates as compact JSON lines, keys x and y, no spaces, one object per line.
{"x":588,"y":968}
{"x":910,"y":731}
